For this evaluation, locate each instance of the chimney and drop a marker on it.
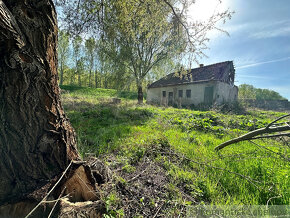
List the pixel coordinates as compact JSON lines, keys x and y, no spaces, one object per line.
{"x":201,"y":65}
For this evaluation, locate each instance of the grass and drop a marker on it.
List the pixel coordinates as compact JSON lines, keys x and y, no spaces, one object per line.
{"x":88,"y":93}
{"x":182,"y":142}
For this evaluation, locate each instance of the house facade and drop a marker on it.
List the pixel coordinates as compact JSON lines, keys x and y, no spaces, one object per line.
{"x":212,"y":84}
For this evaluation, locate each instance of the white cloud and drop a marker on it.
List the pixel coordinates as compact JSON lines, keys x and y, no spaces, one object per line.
{"x":261,"y":29}
{"x":263,"y":62}
{"x":245,"y":60}
{"x":282,"y":31}
{"x":252,"y":76}
{"x":271,"y":30}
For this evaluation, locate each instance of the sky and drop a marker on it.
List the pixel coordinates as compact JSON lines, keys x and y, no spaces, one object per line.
{"x":259,"y":41}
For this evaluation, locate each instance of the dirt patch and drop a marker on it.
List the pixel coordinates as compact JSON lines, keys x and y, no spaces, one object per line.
{"x":145,"y":190}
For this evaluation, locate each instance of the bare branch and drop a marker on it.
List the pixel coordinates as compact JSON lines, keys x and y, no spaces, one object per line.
{"x":179,"y":20}
{"x":255,"y":134}
{"x":272,"y":136}
{"x":280,"y":118}
{"x":251,"y":135}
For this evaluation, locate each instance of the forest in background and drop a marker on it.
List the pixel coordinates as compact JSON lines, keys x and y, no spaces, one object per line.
{"x":82,"y":64}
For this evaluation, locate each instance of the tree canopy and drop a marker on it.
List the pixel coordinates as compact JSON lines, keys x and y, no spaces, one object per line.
{"x":250,"y":92}
{"x":138,"y":36}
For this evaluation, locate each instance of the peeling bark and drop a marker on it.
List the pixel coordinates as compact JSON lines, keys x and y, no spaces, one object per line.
{"x":36,"y":139}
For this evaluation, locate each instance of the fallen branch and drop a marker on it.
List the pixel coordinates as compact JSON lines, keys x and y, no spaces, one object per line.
{"x":256,"y":133}
{"x":272,"y":136}
{"x":280,"y":118}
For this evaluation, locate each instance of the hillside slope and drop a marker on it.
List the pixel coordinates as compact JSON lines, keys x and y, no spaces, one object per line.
{"x":163,"y":159}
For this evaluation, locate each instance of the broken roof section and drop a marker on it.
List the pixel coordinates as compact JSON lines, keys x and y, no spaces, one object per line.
{"x":224,"y":72}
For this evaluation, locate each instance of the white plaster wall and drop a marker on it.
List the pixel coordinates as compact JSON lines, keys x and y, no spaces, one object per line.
{"x":222,"y":92}
{"x":226,"y":93}
{"x":154,"y":95}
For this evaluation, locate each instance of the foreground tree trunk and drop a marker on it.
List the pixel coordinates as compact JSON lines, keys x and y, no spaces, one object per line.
{"x":37,"y":141}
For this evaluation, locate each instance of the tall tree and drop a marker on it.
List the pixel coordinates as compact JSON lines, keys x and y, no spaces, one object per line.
{"x":77,"y":48}
{"x":90,"y":48}
{"x":141,"y":37}
{"x":63,"y":52}
{"x":37,"y":141}
{"x":141,"y":34}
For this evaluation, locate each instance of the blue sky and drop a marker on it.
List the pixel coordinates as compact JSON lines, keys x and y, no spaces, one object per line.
{"x":259,"y":43}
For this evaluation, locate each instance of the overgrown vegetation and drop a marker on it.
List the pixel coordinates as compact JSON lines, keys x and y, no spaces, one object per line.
{"x":163,"y":159}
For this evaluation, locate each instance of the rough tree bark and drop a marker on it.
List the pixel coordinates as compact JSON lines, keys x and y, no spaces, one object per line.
{"x":37,"y":141}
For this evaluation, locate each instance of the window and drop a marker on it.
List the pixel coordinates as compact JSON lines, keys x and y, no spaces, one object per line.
{"x":188,"y":93}
{"x":180,"y":93}
{"x":164,"y":93}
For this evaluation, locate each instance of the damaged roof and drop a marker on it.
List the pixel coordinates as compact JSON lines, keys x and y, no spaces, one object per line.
{"x":223,"y":71}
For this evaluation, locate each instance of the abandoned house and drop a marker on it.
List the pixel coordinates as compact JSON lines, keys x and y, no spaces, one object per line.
{"x":211,"y":84}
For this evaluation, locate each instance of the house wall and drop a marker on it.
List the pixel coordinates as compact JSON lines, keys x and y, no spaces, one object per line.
{"x":226,"y":93}
{"x":222,"y":92}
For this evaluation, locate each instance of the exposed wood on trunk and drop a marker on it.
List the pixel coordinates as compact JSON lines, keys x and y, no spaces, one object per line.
{"x":81,"y":185}
{"x":81,"y":209}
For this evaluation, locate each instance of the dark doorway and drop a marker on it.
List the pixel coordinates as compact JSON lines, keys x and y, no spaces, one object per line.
{"x":170,"y":98}
{"x":208,"y":95}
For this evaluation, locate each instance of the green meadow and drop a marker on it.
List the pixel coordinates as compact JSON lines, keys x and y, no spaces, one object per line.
{"x":179,"y":145}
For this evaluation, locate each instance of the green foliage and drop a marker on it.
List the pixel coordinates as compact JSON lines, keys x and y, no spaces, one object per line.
{"x":90,"y":51}
{"x":128,"y":168}
{"x":63,"y":52}
{"x":139,"y":37}
{"x":137,"y":40}
{"x":250,"y":92}
{"x":112,"y":201}
{"x":78,"y":59}
{"x":182,"y":142}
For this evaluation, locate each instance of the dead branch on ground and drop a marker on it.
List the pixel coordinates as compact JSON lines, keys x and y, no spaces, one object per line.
{"x":272,"y":130}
